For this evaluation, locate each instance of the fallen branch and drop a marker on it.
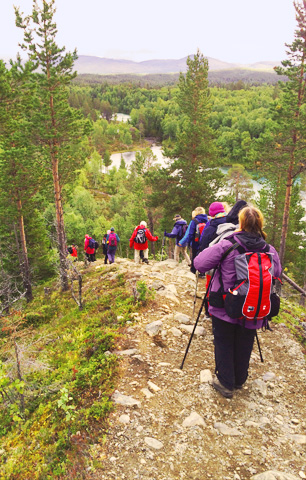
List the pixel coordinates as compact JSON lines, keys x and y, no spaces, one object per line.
{"x":294,"y":285}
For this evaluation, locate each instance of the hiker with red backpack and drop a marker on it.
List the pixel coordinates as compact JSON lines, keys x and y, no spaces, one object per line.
{"x":112,"y":241}
{"x":241,"y":297}
{"x":178,"y":232}
{"x":193,"y":233}
{"x":139,"y":240}
{"x":90,"y":248}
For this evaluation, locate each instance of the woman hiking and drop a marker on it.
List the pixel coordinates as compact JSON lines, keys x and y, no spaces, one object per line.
{"x":139,"y":240}
{"x":194,"y":230}
{"x":178,"y":232}
{"x":234,"y":337}
{"x":112,"y":241}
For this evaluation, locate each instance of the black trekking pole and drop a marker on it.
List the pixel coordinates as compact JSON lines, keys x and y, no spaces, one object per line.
{"x":261,"y":357}
{"x":195,"y":326}
{"x":163,"y":244}
{"x":195,"y":294}
{"x":233,"y":247}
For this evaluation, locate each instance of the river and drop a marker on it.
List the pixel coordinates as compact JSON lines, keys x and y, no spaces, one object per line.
{"x":162,"y":161}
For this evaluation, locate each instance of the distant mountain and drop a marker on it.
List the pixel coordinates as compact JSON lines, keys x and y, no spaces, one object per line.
{"x":107,"y":66}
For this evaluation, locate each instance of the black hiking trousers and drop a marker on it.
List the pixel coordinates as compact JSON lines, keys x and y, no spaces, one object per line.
{"x":233,"y":348}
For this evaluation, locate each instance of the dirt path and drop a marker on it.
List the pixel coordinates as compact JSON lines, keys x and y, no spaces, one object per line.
{"x":179,"y":427}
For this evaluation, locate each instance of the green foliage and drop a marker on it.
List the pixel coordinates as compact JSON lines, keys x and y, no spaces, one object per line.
{"x":291,"y":315}
{"x":62,"y":403}
{"x":144,"y":294}
{"x":239,"y":182}
{"x":67,"y":380}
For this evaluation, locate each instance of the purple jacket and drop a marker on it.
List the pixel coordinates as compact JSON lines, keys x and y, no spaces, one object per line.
{"x":176,"y":231}
{"x":210,"y":258}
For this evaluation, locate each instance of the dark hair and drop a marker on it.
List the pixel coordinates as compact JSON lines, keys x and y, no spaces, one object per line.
{"x":232,"y":216}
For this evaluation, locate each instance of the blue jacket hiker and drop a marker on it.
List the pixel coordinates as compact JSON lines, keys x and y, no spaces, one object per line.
{"x":112,"y":241}
{"x":178,"y":232}
{"x":192,"y":235}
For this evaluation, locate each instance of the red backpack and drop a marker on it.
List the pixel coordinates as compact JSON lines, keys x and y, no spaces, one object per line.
{"x":252,"y":297}
{"x":199,"y":230}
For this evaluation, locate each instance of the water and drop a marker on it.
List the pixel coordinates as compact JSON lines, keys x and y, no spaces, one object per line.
{"x":121,"y":117}
{"x":129,"y":157}
{"x":163,"y":161}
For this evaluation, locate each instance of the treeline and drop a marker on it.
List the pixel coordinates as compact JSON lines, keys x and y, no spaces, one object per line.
{"x":57,"y":184}
{"x":233,"y":79}
{"x":238,"y":117}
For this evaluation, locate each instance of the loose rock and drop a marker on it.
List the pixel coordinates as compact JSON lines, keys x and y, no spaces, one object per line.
{"x":124,"y":419}
{"x":121,"y":399}
{"x":274,"y":475}
{"x":225,"y":430}
{"x":189,"y":328}
{"x":193,"y":420}
{"x":205,"y":376}
{"x":154,"y":328}
{"x":153,"y":443}
{"x":182,"y":318}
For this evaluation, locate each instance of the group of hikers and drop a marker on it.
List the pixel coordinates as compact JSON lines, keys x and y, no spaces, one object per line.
{"x":241,"y":271}
{"x":228,"y":247}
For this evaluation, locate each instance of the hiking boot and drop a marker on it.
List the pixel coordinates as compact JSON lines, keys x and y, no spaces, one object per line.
{"x":221,"y":389}
{"x":145,"y":260}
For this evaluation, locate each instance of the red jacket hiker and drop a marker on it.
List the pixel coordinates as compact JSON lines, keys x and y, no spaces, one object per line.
{"x":87,"y":249}
{"x":142,"y":246}
{"x":74,"y":252}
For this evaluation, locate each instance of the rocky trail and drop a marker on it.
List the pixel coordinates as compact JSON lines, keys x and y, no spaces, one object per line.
{"x":170,"y":424}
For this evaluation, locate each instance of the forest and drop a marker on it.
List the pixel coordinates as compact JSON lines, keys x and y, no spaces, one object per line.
{"x":57,"y":182}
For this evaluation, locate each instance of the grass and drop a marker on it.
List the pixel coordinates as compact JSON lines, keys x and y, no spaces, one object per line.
{"x":292,"y":315}
{"x":67,"y":378}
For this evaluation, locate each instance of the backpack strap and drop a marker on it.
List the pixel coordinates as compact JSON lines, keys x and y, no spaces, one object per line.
{"x":242,"y":250}
{"x":226,"y":253}
{"x":239,"y":247}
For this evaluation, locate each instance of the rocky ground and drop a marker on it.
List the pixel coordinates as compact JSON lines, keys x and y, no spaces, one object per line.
{"x":170,"y":424}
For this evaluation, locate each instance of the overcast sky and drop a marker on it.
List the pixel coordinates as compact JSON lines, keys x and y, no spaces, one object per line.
{"x":240,"y":31}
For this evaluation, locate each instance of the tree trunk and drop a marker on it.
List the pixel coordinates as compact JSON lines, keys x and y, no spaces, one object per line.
{"x":275,"y":212}
{"x":151,"y":228}
{"x":285,"y":224}
{"x":24,"y":265}
{"x":60,"y":227}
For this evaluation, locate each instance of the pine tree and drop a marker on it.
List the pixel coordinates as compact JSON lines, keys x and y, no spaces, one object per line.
{"x":19,"y":173}
{"x":192,"y":176}
{"x":239,"y":182}
{"x":57,"y":127}
{"x":292,"y":115}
